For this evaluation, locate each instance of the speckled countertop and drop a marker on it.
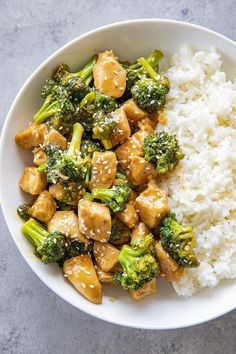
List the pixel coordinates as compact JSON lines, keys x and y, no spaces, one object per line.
{"x":33,"y":319}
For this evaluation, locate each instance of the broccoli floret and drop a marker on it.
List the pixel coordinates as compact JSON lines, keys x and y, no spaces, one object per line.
{"x":69,"y":165}
{"x":137,"y":71}
{"x":115,"y":197}
{"x":24,"y":211}
{"x":89,"y":146}
{"x":149,"y":93}
{"x":57,"y":103}
{"x":103,"y":128}
{"x":120,"y":233}
{"x":50,"y":247}
{"x":138,"y":263}
{"x":178,"y":241}
{"x":75,"y":249}
{"x":76,"y":83}
{"x":162,"y":150}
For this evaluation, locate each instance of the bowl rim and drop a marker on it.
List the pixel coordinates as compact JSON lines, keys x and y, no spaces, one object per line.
{"x":89,"y":310}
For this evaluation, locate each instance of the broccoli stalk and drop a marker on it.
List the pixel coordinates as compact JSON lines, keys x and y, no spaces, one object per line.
{"x":178,"y":241}
{"x":49,"y":247}
{"x":115,"y":197}
{"x":138,"y":263}
{"x":57,"y":103}
{"x":149,"y":92}
{"x":163,"y":151}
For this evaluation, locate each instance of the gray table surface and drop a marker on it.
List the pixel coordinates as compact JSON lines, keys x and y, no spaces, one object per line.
{"x":32,"y":318}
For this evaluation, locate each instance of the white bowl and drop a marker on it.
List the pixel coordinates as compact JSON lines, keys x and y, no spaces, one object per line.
{"x":164,"y":310}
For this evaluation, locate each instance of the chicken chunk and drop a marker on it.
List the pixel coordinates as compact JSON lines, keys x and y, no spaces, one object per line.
{"x":169,"y":268}
{"x":104,"y":166}
{"x":122,"y":131}
{"x":32,"y":136}
{"x":94,"y":220}
{"x":66,"y":222}
{"x":129,"y":215}
{"x":152,"y":205}
{"x":105,"y":255}
{"x":39,"y":156}
{"x":109,"y":75}
{"x":103,"y":277}
{"x":140,"y":171}
{"x":133,"y":112}
{"x":133,"y":146}
{"x":147,"y":289}
{"x":81,"y":273}
{"x":44,"y":207}
{"x":32,"y":181}
{"x":53,"y":137}
{"x":139,"y":231}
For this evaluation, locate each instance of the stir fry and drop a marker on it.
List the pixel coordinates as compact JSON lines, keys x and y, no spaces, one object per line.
{"x":97,"y":209}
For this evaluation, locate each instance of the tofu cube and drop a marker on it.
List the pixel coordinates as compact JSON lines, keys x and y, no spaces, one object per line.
{"x":66,"y":222}
{"x":169,"y":267}
{"x":44,"y":207}
{"x":147,"y":289}
{"x":152,"y":205}
{"x":105,"y":255}
{"x":103,"y":277}
{"x":32,"y":136}
{"x":94,"y":220}
{"x":32,"y":181}
{"x":104,"y":166}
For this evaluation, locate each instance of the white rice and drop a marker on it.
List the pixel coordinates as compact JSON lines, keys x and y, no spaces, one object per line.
{"x":201,"y":111}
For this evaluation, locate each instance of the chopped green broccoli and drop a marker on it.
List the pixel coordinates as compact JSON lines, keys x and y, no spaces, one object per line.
{"x":75,"y":249}
{"x":120,"y":233}
{"x":149,"y":93}
{"x":137,"y":71}
{"x":57,"y":103}
{"x":50,"y":247}
{"x":178,"y":241}
{"x":76,"y":83}
{"x":162,"y":150}
{"x":24,"y":211}
{"x":103,"y":128}
{"x":89,"y":146}
{"x":138,"y":263}
{"x":115,"y":197}
{"x":69,"y":165}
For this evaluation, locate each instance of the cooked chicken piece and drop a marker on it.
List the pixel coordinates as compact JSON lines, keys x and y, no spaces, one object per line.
{"x":94,"y":220}
{"x":32,"y":181}
{"x":81,"y":273}
{"x":109,"y":75}
{"x":39,"y":156}
{"x":103,"y":169}
{"x":140,"y":171}
{"x":169,"y":268}
{"x":149,"y":121}
{"x":53,"y":137}
{"x":67,"y":192}
{"x":66,"y":222}
{"x":129,"y":215}
{"x":139,"y":231}
{"x":152,"y":205}
{"x":44,"y":207}
{"x":133,"y":146}
{"x":105,"y":255}
{"x":103,"y":277}
{"x":32,"y":136}
{"x":133,"y":112}
{"x":122,"y":131}
{"x":147,"y":289}
{"x":133,"y":196}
